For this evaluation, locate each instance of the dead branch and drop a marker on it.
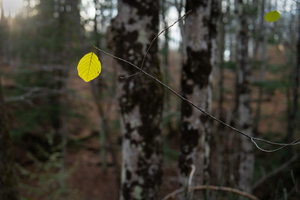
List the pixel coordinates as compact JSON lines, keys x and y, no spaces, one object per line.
{"x":253,"y":139}
{"x":211,"y":187}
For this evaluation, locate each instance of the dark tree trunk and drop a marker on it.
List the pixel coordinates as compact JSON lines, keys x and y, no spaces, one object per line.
{"x":140,"y":99}
{"x":8,"y":185}
{"x":294,"y":106}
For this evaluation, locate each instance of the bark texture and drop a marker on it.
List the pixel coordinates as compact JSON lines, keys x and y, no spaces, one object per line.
{"x":200,"y":34}
{"x":243,"y":102}
{"x":140,"y":99}
{"x":8,"y":185}
{"x":294,"y":103}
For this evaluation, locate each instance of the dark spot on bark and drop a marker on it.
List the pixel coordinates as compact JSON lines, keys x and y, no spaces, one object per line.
{"x":206,"y":22}
{"x":189,"y":138}
{"x":204,"y":119}
{"x":144,"y":7}
{"x":128,"y":189}
{"x":246,"y":126}
{"x":197,"y":68}
{"x":128,"y":131}
{"x":193,"y":4}
{"x":128,"y":175}
{"x":143,"y":93}
{"x":186,"y":109}
{"x":244,"y":88}
{"x":148,"y":152}
{"x":214,"y":13}
{"x":131,"y":21}
{"x":184,"y":165}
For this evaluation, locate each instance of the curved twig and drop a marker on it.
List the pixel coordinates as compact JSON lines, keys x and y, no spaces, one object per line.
{"x":191,"y":177}
{"x":122,"y":77}
{"x":211,"y":187}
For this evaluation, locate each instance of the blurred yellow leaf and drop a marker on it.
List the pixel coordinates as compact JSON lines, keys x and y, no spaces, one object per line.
{"x":272,"y":16}
{"x":89,"y":67}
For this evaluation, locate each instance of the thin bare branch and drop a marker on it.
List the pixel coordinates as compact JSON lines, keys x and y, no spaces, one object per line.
{"x":33,"y":93}
{"x":253,"y":139}
{"x":211,"y":187}
{"x":140,"y":70}
{"x":296,"y":2}
{"x":191,"y":177}
{"x":123,"y":77}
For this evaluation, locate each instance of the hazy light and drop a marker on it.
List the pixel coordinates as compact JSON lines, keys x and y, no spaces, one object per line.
{"x":12,"y":7}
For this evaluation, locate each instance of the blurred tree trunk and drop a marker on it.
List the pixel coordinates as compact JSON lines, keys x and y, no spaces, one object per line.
{"x":262,"y":34}
{"x":99,"y":87}
{"x":140,"y":99}
{"x":165,"y":66}
{"x":221,"y":134}
{"x":4,"y":33}
{"x":261,"y":80}
{"x":220,"y":60}
{"x":8,"y":184}
{"x":243,"y":102}
{"x":200,"y":35}
{"x":232,"y":47}
{"x":294,"y":104}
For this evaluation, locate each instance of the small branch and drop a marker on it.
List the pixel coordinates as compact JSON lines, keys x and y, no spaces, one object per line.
{"x":189,"y":186}
{"x":191,"y":177}
{"x":33,"y":93}
{"x":296,"y":2}
{"x":253,"y":139}
{"x":152,"y":44}
{"x":211,"y":187}
{"x":276,"y":171}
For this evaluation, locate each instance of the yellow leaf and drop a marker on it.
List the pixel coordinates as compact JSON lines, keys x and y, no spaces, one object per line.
{"x":272,"y":16}
{"x":89,"y":67}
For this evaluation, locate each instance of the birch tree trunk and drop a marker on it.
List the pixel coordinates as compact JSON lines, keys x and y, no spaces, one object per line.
{"x":8,"y":185}
{"x":294,"y":104}
{"x":264,"y":56}
{"x":200,"y":34}
{"x":140,"y":99}
{"x":4,"y":35}
{"x":243,"y":104}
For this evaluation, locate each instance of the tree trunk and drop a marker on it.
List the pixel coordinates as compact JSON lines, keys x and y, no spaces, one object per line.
{"x":243,"y":104}
{"x":4,"y":35}
{"x":8,"y":185}
{"x":293,"y":112}
{"x":261,"y":79}
{"x":263,"y":58}
{"x":200,"y":34}
{"x":220,"y":134}
{"x":140,"y":99}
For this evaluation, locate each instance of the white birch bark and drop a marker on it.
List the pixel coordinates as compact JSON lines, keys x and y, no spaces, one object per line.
{"x":200,"y":34}
{"x":140,"y":99}
{"x":244,"y":118}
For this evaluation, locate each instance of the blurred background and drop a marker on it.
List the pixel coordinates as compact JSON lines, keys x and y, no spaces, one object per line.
{"x":67,"y":139}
